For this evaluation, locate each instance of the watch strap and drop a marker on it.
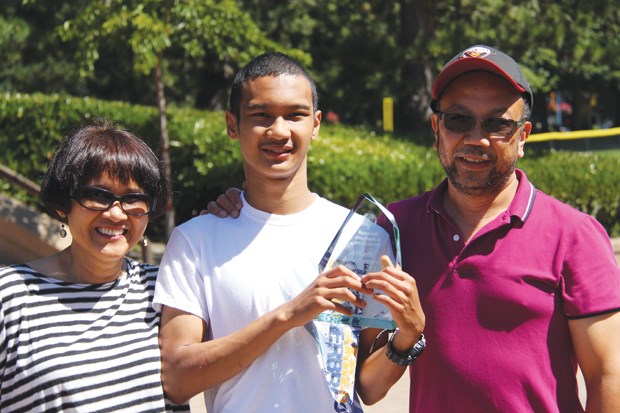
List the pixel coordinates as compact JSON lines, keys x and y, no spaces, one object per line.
{"x":407,"y":358}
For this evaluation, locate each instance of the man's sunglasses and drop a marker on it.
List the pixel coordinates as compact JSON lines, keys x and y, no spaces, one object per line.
{"x":97,"y":199}
{"x":493,"y":127}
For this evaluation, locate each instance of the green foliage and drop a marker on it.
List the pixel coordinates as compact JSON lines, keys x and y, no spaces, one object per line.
{"x":346,"y":161}
{"x":587,"y":181}
{"x":204,"y":162}
{"x":153,"y":26}
{"x":358,"y":51}
{"x":342,"y":162}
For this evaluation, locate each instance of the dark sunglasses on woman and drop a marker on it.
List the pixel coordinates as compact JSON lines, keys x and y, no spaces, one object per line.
{"x":97,"y":199}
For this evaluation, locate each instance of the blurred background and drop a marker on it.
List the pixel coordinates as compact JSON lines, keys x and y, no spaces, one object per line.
{"x":163,"y":69}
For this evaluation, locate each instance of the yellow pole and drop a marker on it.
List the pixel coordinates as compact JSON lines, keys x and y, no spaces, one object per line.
{"x":388,"y":115}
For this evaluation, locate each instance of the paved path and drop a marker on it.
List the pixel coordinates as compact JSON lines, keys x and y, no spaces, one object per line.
{"x":396,"y":401}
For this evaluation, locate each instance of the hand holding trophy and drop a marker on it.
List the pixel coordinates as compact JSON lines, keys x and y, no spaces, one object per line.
{"x":360,"y":244}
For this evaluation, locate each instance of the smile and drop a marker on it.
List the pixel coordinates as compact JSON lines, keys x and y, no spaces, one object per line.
{"x":111,"y":232}
{"x":474,"y":160}
{"x":277,"y":150}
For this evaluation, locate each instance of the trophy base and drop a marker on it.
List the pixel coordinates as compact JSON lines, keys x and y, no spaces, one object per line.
{"x":355,"y":320}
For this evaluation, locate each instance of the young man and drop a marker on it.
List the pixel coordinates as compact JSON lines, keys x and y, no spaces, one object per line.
{"x":239,"y":296}
{"x":517,"y":287}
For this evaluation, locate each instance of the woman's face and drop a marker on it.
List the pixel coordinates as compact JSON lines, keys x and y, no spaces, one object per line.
{"x":105,"y":235}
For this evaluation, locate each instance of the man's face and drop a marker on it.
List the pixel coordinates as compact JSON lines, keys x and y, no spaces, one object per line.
{"x":276,"y":125}
{"x":476,"y":163}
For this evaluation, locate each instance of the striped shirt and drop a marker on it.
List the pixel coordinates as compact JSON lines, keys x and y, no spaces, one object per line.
{"x":68,"y":347}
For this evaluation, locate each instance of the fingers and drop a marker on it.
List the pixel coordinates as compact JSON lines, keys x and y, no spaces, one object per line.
{"x":338,"y":289}
{"x":399,"y":293}
{"x":233,"y":196}
{"x":345,"y":275}
{"x":228,"y":203}
{"x":215,"y":209}
{"x":386,"y":262}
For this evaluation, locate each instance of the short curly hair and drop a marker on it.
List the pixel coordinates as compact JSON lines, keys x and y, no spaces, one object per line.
{"x":96,"y":148}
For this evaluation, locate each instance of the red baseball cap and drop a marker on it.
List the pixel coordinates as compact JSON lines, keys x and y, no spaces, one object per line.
{"x":481,"y":57}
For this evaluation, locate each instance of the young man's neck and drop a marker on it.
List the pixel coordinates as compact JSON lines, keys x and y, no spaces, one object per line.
{"x":282,"y":197}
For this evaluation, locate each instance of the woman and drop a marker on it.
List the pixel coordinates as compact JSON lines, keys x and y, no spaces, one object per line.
{"x":77,"y":328}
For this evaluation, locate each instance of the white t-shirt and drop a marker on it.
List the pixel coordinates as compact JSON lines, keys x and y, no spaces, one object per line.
{"x":230,"y":272}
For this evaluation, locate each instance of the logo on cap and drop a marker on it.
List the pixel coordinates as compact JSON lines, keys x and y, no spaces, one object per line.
{"x":479,"y":52}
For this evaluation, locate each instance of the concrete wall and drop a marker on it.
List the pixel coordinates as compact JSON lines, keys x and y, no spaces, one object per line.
{"x":26,"y":234}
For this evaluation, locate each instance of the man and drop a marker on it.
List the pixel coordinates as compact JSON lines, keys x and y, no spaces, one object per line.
{"x":517,"y":288}
{"x":239,"y":296}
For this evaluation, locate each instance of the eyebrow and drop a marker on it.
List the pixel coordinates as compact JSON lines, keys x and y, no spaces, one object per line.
{"x":253,"y":106}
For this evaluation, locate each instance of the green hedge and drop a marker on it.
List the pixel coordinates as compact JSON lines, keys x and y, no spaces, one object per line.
{"x":343,"y":161}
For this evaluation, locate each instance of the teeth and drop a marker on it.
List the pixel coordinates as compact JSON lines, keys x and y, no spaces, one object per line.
{"x":277,"y":149}
{"x":474,"y":160}
{"x":111,"y":232}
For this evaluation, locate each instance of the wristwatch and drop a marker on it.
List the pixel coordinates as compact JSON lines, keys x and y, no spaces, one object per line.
{"x":405,"y":359}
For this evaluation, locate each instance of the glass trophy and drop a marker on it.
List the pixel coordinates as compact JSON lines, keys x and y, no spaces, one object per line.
{"x":359,"y":244}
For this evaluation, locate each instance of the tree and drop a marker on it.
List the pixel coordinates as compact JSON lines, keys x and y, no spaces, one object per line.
{"x":153,"y":27}
{"x":365,"y":50}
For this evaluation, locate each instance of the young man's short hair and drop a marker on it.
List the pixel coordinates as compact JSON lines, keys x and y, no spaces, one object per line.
{"x":268,"y":64}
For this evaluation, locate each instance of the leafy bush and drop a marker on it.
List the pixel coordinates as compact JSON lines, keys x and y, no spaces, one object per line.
{"x":342,"y":162}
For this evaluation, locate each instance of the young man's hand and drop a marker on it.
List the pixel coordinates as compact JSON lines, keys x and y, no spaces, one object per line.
{"x":327,"y":292}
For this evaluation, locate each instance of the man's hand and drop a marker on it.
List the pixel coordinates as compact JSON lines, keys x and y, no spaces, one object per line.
{"x":227,"y":204}
{"x":400,"y":295}
{"x":376,"y":374}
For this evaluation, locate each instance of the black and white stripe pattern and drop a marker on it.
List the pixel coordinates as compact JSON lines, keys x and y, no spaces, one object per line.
{"x":69,"y":347}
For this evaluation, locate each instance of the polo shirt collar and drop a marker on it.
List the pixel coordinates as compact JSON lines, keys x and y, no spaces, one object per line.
{"x":523,"y":202}
{"x":520,"y":207}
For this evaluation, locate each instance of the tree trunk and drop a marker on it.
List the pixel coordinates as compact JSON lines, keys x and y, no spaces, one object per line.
{"x":164,"y":142}
{"x":417,"y":25}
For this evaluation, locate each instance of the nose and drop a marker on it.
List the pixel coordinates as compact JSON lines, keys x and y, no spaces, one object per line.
{"x":477,"y":136}
{"x":116,"y":212}
{"x":279,"y":129}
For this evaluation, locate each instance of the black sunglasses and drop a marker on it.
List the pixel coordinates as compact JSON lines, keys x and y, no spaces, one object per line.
{"x":493,"y":127}
{"x":97,"y":199}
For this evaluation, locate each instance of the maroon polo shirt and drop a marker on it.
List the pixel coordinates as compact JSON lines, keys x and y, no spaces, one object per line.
{"x":497,"y":309}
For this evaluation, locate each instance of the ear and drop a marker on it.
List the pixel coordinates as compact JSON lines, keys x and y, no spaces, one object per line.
{"x":232,"y":126}
{"x":435,"y":126}
{"x":523,"y":136}
{"x":318,"y":115}
{"x":62,"y":216}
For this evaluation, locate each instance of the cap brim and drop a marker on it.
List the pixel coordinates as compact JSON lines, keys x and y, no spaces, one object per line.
{"x":458,"y":67}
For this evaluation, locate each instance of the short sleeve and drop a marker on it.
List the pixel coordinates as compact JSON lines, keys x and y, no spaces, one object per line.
{"x":180,"y":283}
{"x":591,"y":276}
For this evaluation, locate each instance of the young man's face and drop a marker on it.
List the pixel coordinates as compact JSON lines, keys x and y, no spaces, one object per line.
{"x":275,"y":126}
{"x":475,"y":162}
